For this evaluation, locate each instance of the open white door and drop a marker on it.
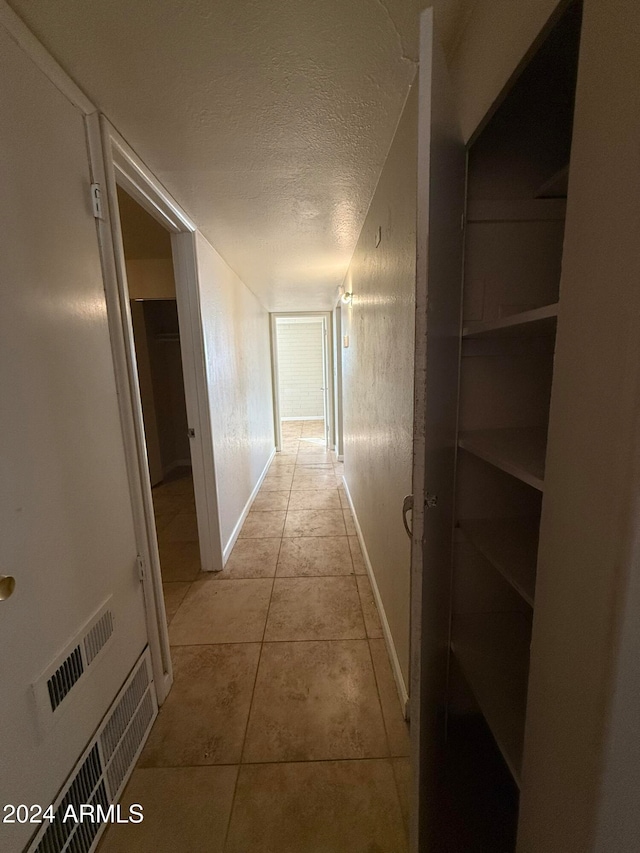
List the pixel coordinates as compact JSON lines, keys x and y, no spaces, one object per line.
{"x":441,"y":190}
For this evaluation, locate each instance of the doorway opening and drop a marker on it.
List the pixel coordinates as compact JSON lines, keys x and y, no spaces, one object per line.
{"x":121,"y":179}
{"x":303,"y":387}
{"x":156,"y":335}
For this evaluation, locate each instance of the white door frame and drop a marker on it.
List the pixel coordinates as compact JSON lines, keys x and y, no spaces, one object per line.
{"x":328,"y":370}
{"x":113,"y":164}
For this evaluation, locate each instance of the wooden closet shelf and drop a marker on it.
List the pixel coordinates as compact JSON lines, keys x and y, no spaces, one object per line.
{"x":511,"y":546}
{"x":519,"y":452}
{"x":493,"y":652}
{"x":517,"y":210}
{"x":536,"y":322}
{"x":556,"y":186}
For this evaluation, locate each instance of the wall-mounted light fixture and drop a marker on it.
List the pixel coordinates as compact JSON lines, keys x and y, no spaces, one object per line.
{"x":346,"y":297}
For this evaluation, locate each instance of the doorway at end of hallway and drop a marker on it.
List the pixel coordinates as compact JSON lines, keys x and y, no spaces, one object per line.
{"x":302,"y":381}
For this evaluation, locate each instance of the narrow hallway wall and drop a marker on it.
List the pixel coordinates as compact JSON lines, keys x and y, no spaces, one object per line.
{"x":378,"y":376}
{"x":238,"y":361}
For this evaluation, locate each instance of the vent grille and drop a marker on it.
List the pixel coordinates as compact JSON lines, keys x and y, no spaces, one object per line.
{"x":123,"y":713}
{"x":79,"y":791}
{"x":65,"y":677}
{"x":104,"y":767}
{"x":85,"y":834}
{"x":56,"y":683}
{"x":98,"y":636}
{"x":129,"y":744}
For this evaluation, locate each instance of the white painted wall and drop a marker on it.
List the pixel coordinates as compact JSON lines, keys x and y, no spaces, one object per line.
{"x":236,"y":330}
{"x":378,"y":376}
{"x":300,"y":368}
{"x":66,"y":527}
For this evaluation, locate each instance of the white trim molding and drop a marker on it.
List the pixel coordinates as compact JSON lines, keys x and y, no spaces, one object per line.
{"x":401,"y":687}
{"x":274,"y":316}
{"x":114,"y":163}
{"x":146,"y":541}
{"x":245,"y":512}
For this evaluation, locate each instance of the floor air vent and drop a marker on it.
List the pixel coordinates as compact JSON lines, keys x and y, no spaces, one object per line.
{"x":103,"y":769}
{"x":128,"y":746}
{"x":123,"y":713}
{"x":84,"y":787}
{"x":55,"y":684}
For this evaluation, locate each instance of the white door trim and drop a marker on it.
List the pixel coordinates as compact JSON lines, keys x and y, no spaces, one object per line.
{"x":114,"y":163}
{"x":328,"y":368}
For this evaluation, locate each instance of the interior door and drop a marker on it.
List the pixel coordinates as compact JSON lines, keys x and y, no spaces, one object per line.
{"x":66,"y":526}
{"x":441,"y":191}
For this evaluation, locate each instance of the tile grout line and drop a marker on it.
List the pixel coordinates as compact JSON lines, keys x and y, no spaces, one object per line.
{"x":246,"y":728}
{"x":390,"y":756}
{"x":262,"y":642}
{"x":269,"y":763}
{"x":253,"y":690}
{"x":273,"y":642}
{"x":387,"y":758}
{"x":375,"y":675}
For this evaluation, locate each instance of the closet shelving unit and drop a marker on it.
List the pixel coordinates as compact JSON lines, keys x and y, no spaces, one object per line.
{"x":535,"y":322}
{"x":516,"y":203}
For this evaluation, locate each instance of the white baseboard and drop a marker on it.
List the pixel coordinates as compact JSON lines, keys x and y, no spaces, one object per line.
{"x":245,"y":512}
{"x":386,"y":630}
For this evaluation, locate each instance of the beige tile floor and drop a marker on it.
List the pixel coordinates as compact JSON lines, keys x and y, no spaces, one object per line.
{"x":283,"y":731}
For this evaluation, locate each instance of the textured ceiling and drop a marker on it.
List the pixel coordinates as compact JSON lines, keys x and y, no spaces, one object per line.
{"x":268,"y":120}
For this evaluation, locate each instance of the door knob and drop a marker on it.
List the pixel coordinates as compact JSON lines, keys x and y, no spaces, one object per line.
{"x":7,"y":585}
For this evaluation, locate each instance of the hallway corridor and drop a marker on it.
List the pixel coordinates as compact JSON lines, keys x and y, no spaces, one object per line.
{"x":283,"y":731}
